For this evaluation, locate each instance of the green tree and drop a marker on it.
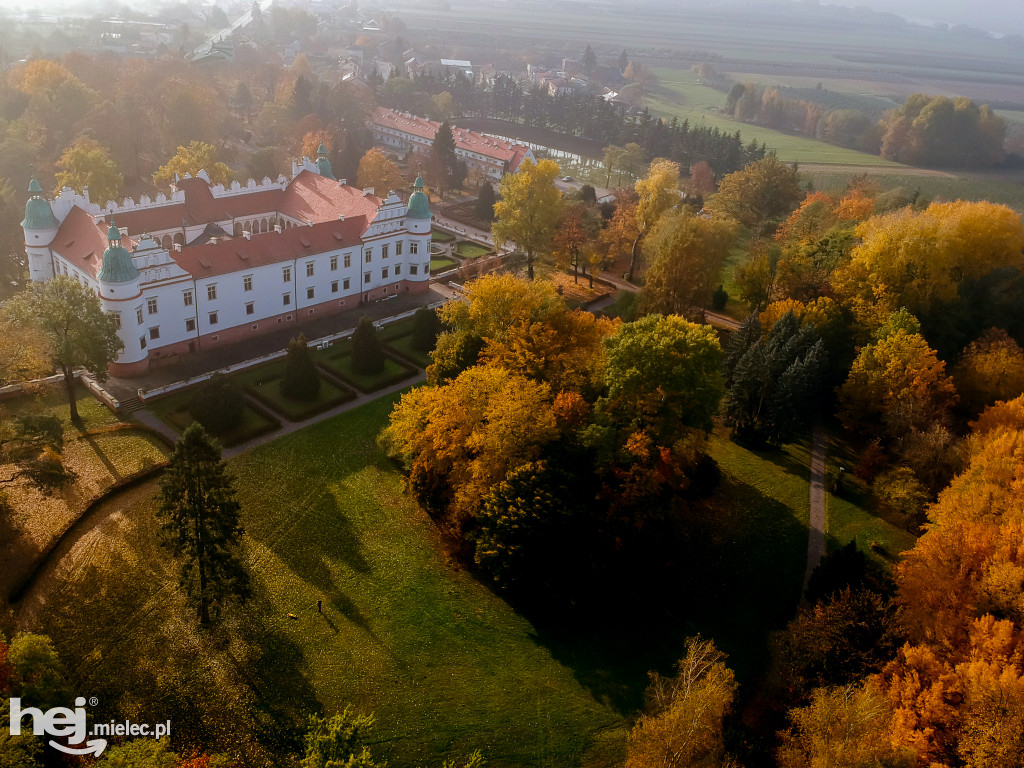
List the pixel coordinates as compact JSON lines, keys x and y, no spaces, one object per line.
{"x":42,"y":678}
{"x":759,"y":196}
{"x":451,"y":169}
{"x":86,"y":164}
{"x":685,"y":254}
{"x":529,"y":210}
{"x":218,"y":404}
{"x":195,"y":157}
{"x":338,"y":741}
{"x":656,"y":193}
{"x":426,"y":326}
{"x":77,"y":330}
{"x":140,"y":753}
{"x":301,"y":379}
{"x":589,"y":62}
{"x":367,"y":351}
{"x":484,"y":208}
{"x":200,"y":525}
{"x":775,"y":384}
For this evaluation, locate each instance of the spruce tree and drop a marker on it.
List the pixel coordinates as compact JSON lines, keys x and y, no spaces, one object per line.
{"x":425,"y":329}
{"x":367,"y":352}
{"x":485,"y":201}
{"x":200,"y":525}
{"x":301,"y":380}
{"x":589,"y":62}
{"x":452,"y":169}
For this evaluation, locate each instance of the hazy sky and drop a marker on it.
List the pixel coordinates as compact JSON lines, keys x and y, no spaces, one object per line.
{"x":998,"y":16}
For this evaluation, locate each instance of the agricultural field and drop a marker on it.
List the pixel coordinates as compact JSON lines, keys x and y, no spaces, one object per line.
{"x":678,"y":94}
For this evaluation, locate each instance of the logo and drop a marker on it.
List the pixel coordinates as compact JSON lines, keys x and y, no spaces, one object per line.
{"x":59,"y":721}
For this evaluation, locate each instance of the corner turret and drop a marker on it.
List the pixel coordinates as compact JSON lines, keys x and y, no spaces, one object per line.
{"x":418,"y":215}
{"x":323,"y":164}
{"x":40,"y":227}
{"x":120,"y":289}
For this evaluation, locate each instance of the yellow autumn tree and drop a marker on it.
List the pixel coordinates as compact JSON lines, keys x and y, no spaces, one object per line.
{"x":376,"y":171}
{"x":195,"y":157}
{"x":656,"y":193}
{"x":991,"y":369}
{"x":897,"y":384}
{"x":682,"y":725}
{"x":919,"y":260}
{"x":529,"y":210}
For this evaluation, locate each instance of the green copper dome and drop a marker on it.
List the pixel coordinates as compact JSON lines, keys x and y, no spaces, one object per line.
{"x":117,"y":262}
{"x":38,"y":213}
{"x":419,"y":206}
{"x":323,"y":164}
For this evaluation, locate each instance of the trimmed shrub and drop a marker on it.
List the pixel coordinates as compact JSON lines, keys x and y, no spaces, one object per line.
{"x":218,"y":404}
{"x":301,"y":380}
{"x":367,"y":351}
{"x":426,"y":327}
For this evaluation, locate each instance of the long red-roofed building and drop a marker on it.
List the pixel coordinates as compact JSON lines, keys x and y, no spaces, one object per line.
{"x":402,"y":131}
{"x":211,"y":264}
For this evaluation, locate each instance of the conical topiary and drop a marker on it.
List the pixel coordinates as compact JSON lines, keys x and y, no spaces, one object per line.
{"x":301,"y":380}
{"x":367,"y":352}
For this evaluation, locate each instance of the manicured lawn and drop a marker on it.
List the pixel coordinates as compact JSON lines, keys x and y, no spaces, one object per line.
{"x":441,"y":264}
{"x":469,"y":250}
{"x":264,"y":382}
{"x":445,"y":665}
{"x":441,"y":237}
{"x":403,"y":345}
{"x":173,"y":411}
{"x":392,"y":373}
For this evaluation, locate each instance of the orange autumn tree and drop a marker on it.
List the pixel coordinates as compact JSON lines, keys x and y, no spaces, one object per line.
{"x":991,"y":369}
{"x":957,"y":689}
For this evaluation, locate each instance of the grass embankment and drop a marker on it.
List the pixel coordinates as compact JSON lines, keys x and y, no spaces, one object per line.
{"x":264,"y":383}
{"x":467,"y":250}
{"x":108,"y":452}
{"x":679,"y":94}
{"x":441,"y":264}
{"x":439,"y":236}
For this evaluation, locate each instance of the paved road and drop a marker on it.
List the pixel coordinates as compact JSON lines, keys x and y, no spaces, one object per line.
{"x":816,"y":534}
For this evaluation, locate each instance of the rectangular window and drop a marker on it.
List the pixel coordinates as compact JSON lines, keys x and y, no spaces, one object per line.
{"x":334,"y":287}
{"x":309,"y":269}
{"x":414,"y":269}
{"x":368,"y":255}
{"x":213,"y":318}
{"x":414,"y":247}
{"x":346,"y":283}
{"x":286,"y":299}
{"x":250,"y":308}
{"x":117,"y":319}
{"x":211,"y":291}
{"x":154,"y":332}
{"x":138,"y":315}
{"x":190,"y":325}
{"x":398,"y":248}
{"x":398,"y":269}
{"x":384,"y":250}
{"x":247,"y":283}
{"x":151,"y":306}
{"x":426,"y":269}
{"x":286,"y":275}
{"x":366,"y":277}
{"x":384,"y":273}
{"x":348,"y":260}
{"x":142,"y":342}
{"x":187,"y":296}
{"x":309,"y":293}
{"x":334,"y":263}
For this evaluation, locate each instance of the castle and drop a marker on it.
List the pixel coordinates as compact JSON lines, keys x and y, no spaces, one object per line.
{"x":211,"y":264}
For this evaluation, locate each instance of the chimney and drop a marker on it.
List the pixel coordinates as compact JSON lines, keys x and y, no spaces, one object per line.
{"x":278,"y":229}
{"x":309,"y":222}
{"x":247,"y":234}
{"x":177,"y":247}
{"x":341,"y":217}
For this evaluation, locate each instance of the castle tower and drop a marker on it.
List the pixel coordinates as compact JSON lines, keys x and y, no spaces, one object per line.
{"x":121,"y":295}
{"x":418,"y":216}
{"x":40,"y":227}
{"x":323,"y":164}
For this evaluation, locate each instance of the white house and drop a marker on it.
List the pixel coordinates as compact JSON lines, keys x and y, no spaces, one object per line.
{"x":210,"y":265}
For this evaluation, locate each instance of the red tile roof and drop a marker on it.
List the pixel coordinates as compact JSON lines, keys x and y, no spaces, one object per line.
{"x":271,"y":248}
{"x":468,"y":141}
{"x":82,"y":241}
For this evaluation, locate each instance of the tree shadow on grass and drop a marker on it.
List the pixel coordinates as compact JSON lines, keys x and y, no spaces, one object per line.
{"x":736,"y":576}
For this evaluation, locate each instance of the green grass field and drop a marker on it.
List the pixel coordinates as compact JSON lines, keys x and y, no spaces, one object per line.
{"x":403,"y":345}
{"x":173,"y":411}
{"x":441,"y":237}
{"x":392,"y":373}
{"x":264,"y":382}
{"x":468,"y":250}
{"x":440,"y":264}
{"x":679,"y":94}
